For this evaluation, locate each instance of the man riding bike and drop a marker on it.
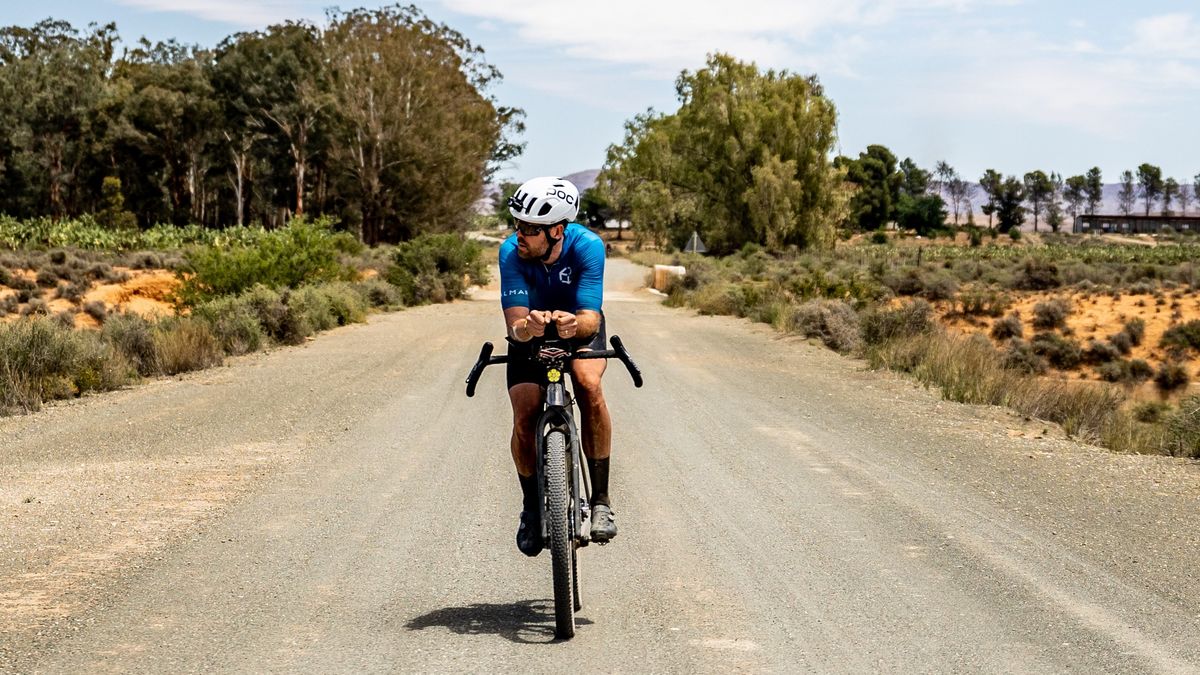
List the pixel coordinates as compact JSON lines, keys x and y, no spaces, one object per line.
{"x":552,"y":271}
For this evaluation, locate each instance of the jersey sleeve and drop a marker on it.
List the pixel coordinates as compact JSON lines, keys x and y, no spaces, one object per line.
{"x":514,"y":289}
{"x":590,"y":293}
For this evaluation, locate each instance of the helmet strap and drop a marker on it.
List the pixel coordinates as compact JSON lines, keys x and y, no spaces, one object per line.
{"x":553,"y":242}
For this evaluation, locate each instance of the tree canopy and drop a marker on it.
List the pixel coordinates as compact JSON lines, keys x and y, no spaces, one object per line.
{"x":381,"y":118}
{"x":744,"y":159}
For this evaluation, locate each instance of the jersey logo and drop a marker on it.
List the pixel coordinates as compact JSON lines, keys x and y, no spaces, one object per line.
{"x":564,"y":275}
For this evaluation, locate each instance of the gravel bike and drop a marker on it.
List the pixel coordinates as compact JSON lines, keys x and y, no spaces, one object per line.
{"x":564,"y":496}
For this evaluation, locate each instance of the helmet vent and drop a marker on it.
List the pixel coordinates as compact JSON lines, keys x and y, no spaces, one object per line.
{"x":545,"y":209}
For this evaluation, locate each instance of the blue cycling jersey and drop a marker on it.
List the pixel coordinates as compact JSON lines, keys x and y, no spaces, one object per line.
{"x":575,"y":281}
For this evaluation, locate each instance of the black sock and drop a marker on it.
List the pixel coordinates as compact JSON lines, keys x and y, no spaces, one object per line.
{"x":598,"y":469}
{"x":529,"y":491}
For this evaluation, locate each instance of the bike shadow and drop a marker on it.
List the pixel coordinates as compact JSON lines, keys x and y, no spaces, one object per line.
{"x":526,"y":621}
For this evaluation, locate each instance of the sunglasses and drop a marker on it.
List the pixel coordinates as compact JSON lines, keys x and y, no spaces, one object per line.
{"x":529,"y":229}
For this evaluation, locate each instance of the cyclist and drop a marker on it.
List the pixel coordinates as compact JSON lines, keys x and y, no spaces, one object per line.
{"x":552,"y":271}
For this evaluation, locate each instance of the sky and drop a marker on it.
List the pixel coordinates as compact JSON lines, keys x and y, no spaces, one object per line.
{"x":1057,"y":85}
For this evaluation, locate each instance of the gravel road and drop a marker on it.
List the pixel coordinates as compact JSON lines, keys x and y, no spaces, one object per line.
{"x":342,"y":506}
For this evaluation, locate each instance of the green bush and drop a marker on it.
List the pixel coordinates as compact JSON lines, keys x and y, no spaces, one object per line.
{"x":40,"y":359}
{"x":234,"y":322}
{"x":1171,"y":376}
{"x":1038,"y":275}
{"x":1060,"y":352}
{"x":1183,"y":429}
{"x":1008,"y":327}
{"x":1021,"y":357}
{"x":285,"y":258}
{"x":132,"y":336}
{"x":1151,"y":412}
{"x":436,"y":268}
{"x":1182,"y":336}
{"x":379,"y":293}
{"x":879,"y":325}
{"x":1051,"y":314}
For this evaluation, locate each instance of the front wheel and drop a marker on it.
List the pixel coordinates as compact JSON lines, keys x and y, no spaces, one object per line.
{"x":562,"y":549}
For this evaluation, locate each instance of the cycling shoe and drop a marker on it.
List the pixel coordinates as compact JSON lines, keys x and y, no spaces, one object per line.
{"x":604,"y":527}
{"x":529,"y":534}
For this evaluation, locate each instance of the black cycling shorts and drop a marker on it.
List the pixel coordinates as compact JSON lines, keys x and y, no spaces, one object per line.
{"x":523,"y":368}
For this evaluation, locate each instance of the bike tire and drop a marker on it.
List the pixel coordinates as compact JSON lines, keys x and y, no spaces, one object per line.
{"x":562,"y":549}
{"x":575,"y":578}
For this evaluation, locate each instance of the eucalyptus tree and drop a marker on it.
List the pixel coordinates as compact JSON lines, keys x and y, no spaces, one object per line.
{"x":1094,"y":190}
{"x":1169,"y":193}
{"x":990,"y":182}
{"x":1075,"y":193}
{"x":415,"y":131}
{"x":1038,"y":189}
{"x":1150,"y":184}
{"x":1185,"y":197}
{"x":1010,"y":194}
{"x":1054,"y":212}
{"x":167,"y":123}
{"x":1127,"y":195}
{"x":52,"y":79}
{"x":744,"y":159}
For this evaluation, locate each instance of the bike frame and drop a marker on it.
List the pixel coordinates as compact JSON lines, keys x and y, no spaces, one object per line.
{"x":556,"y":356}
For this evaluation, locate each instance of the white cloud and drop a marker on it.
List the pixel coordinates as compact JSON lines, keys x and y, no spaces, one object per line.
{"x":662,"y":37}
{"x":240,"y":13}
{"x":1175,"y":35}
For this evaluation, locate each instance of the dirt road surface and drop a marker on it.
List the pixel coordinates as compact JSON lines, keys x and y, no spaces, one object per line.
{"x":343,"y":507}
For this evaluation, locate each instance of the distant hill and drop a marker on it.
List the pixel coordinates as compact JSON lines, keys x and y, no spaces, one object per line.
{"x":584,"y":180}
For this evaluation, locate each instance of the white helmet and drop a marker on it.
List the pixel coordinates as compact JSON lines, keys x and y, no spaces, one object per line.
{"x":545,"y":201}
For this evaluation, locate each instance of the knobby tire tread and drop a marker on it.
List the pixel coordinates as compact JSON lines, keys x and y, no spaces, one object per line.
{"x":558,"y":498}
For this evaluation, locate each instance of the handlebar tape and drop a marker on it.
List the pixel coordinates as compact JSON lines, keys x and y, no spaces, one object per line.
{"x":622,"y":354}
{"x":484,"y":355}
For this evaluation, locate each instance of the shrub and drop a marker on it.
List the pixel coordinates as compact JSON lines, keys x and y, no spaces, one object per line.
{"x":235,"y":324}
{"x":832,"y":321}
{"x":66,"y":318}
{"x":1171,"y":376}
{"x":96,"y":310}
{"x":40,"y":359}
{"x":379,"y":293}
{"x":879,"y":325}
{"x":287,"y":257}
{"x":1126,"y":372}
{"x":1183,"y":429}
{"x":46,"y":279}
{"x":1121,"y":342}
{"x":36,"y":306}
{"x":1151,"y":412}
{"x":183,"y":344}
{"x":1060,"y":352}
{"x":1098,"y":352}
{"x":1051,"y":314}
{"x":433,"y":267}
{"x":879,"y":237}
{"x":133,"y":337}
{"x":1038,"y":275}
{"x":984,"y":302}
{"x":1008,"y":327}
{"x":269,"y":308}
{"x":8,"y":304}
{"x":1021,"y":357}
{"x":346,"y":304}
{"x":1135,"y":328}
{"x":1182,"y":336}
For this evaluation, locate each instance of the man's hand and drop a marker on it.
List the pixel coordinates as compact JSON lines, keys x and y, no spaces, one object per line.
{"x":567,"y":325}
{"x":535,"y":323}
